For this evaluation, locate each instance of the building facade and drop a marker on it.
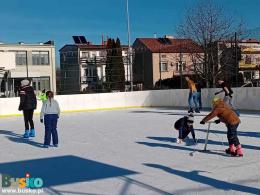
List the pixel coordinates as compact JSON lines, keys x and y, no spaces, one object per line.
{"x":162,"y":58}
{"x":33,"y":61}
{"x":250,"y":62}
{"x":82,"y":67}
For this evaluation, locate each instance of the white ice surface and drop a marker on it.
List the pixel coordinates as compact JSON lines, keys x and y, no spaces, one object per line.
{"x":140,"y":142}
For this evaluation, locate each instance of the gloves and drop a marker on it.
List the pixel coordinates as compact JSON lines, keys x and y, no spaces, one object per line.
{"x":41,"y":120}
{"x":202,"y":122}
{"x":217,"y":121}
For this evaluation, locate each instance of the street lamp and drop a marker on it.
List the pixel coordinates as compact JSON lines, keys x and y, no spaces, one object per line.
{"x":130,"y":59}
{"x":180,"y":69}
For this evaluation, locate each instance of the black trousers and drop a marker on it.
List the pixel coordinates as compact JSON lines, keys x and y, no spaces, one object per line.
{"x":28,"y":119}
{"x":232,"y":134}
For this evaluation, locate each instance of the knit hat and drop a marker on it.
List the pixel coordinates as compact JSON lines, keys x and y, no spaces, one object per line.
{"x":190,"y":118}
{"x":25,"y":82}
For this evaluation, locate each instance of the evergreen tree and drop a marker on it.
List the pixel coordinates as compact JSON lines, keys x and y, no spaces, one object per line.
{"x":115,"y":72}
{"x":119,"y":67}
{"x":108,"y":69}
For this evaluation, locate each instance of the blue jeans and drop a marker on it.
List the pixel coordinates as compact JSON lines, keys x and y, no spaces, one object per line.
{"x":193,"y":99}
{"x":50,"y":122}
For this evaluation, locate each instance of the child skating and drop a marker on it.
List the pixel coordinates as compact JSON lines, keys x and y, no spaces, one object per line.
{"x":231,"y":120}
{"x":185,"y":126}
{"x":50,"y":113}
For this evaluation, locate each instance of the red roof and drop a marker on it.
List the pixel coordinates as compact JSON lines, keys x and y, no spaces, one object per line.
{"x":169,"y":45}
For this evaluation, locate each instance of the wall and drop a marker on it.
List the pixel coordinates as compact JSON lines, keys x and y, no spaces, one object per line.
{"x":33,"y":70}
{"x":244,"y":99}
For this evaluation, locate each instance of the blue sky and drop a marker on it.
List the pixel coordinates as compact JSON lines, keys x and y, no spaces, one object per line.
{"x":34,"y":21}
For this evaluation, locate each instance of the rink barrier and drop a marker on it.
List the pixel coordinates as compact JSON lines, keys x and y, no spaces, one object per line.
{"x":244,"y":99}
{"x":75,"y":111}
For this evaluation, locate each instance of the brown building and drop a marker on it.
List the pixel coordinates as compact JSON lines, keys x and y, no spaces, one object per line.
{"x":250,"y":63}
{"x":161,"y":58}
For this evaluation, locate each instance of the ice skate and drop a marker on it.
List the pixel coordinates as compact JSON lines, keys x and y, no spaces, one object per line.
{"x":32,"y":133}
{"x":26,"y":134}
{"x":231,"y":150}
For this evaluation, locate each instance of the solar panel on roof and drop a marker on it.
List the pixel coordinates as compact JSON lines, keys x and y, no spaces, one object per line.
{"x":167,"y":41}
{"x":161,"y":40}
{"x":76,"y":39}
{"x":83,"y":39}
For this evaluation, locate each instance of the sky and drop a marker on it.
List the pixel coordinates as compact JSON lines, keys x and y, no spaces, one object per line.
{"x":33,"y":21}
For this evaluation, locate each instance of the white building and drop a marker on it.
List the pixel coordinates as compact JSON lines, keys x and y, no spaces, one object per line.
{"x":83,"y":66}
{"x":33,"y":61}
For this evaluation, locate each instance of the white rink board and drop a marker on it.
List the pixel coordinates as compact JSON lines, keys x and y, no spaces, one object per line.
{"x":244,"y":99}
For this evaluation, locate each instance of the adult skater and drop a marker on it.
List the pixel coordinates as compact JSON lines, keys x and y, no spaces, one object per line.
{"x":228,"y":92}
{"x":228,"y":98}
{"x":229,"y":117}
{"x":198,"y":86}
{"x":185,"y":126}
{"x":28,"y":104}
{"x":192,"y":95}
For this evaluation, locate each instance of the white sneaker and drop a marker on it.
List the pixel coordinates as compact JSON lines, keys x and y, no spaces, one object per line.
{"x":179,"y":141}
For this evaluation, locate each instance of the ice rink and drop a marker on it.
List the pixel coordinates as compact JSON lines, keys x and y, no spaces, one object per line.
{"x":132,"y":152}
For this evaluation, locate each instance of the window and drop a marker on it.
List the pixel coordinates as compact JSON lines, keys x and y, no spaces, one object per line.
{"x":85,"y":54}
{"x":34,"y":85}
{"x":94,"y":72}
{"x":86,"y":72}
{"x":164,"y":66}
{"x":40,"y":57}
{"x":21,"y":57}
{"x":41,"y":83}
{"x":183,"y":66}
{"x":163,"y":56}
{"x":178,"y":66}
{"x":94,"y":55}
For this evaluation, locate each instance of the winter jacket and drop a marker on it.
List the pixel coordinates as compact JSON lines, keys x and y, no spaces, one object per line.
{"x":42,"y":97}
{"x":227,"y":89}
{"x":192,"y":86}
{"x":50,"y":107}
{"x":27,"y":98}
{"x":184,"y":129}
{"x":224,"y":113}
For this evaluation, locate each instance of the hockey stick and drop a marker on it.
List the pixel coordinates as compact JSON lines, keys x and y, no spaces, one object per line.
{"x":207,"y":135}
{"x":194,"y":148}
